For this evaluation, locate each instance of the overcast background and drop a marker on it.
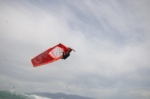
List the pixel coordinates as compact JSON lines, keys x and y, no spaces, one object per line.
{"x":111,"y":39}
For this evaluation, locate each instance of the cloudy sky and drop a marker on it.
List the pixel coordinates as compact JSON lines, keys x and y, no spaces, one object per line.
{"x":111,"y":39}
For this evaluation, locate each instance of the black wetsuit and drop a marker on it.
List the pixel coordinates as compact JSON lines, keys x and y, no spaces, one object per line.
{"x":65,"y":56}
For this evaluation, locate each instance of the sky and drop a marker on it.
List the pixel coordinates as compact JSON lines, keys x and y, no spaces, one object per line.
{"x":111,"y":39}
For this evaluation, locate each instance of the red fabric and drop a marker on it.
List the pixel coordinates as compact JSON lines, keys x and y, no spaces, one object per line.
{"x":45,"y":57}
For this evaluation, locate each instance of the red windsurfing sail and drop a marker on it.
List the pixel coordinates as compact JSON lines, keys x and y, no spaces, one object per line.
{"x":50,"y":55}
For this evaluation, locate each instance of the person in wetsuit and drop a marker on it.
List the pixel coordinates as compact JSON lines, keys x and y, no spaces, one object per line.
{"x":66,"y":54}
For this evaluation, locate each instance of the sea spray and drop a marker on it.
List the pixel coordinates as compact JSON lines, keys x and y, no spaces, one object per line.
{"x":10,"y":94}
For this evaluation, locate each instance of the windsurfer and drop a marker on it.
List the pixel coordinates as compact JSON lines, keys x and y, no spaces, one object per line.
{"x":66,"y":53}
